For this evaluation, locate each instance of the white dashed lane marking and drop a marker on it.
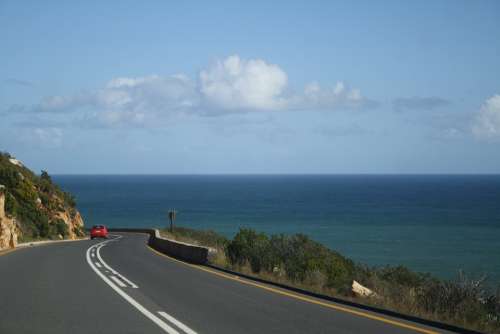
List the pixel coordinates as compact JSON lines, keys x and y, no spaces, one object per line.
{"x":119,"y":282}
{"x":111,"y":269}
{"x":177,"y":323}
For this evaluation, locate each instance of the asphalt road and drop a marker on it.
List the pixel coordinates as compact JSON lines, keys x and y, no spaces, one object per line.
{"x":122,"y":286}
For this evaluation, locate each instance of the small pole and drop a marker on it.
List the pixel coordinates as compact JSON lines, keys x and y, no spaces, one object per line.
{"x":171,"y":215}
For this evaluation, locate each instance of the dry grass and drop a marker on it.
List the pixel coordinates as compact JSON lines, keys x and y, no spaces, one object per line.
{"x":394,"y":298}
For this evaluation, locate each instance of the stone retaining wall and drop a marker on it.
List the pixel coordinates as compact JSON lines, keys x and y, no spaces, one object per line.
{"x":180,"y":250}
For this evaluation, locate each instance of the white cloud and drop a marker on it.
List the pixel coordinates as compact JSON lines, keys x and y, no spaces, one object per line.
{"x":244,"y":84}
{"x":487,"y":122}
{"x":338,"y":96}
{"x":145,"y":99}
{"x":128,"y":100}
{"x":232,"y":85}
{"x":235,"y":84}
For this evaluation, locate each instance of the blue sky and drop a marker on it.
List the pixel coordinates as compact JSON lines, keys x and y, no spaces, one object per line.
{"x":255,"y":87}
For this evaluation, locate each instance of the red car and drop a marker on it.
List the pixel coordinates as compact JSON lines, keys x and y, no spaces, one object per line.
{"x":99,"y":231}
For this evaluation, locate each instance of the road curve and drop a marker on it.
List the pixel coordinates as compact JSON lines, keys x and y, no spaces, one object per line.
{"x":122,"y":286}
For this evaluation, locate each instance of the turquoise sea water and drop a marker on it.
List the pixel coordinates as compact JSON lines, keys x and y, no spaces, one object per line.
{"x":436,"y":224}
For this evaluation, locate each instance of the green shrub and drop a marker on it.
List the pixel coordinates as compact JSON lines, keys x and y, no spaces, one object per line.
{"x":402,"y":276}
{"x":463,"y":299}
{"x":10,"y":204}
{"x":9,"y":176}
{"x":240,"y":249}
{"x":339,"y":272}
{"x":43,"y":227}
{"x":44,"y":176}
{"x":298,"y":256}
{"x":61,"y":228}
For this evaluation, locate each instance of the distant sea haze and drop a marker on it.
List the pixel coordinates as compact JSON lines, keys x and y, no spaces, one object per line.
{"x":431,"y":223}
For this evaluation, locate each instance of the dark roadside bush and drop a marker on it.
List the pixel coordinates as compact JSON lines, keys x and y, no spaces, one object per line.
{"x":401,"y":275}
{"x":465,"y":302}
{"x":43,"y":227}
{"x":462,"y":300}
{"x":61,"y":228}
{"x":9,"y":176}
{"x":250,"y":247}
{"x":10,"y":204}
{"x":299,"y":257}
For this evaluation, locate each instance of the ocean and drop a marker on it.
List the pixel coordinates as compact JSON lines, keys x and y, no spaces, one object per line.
{"x":438,"y":224}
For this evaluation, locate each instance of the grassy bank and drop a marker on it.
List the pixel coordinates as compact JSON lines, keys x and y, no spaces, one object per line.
{"x":298,"y":261}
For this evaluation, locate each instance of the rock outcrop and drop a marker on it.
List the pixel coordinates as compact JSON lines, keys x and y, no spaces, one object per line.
{"x":362,"y":291}
{"x":74,"y":222}
{"x":8,"y":226}
{"x":33,"y":206}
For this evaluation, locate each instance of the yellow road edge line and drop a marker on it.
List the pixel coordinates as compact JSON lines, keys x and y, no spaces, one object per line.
{"x":302,"y":298}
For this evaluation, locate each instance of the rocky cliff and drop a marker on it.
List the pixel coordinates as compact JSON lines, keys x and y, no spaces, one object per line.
{"x":33,"y":207}
{"x":8,"y":226}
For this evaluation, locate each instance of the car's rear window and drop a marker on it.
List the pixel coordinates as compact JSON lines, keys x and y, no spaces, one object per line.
{"x":98,"y":227}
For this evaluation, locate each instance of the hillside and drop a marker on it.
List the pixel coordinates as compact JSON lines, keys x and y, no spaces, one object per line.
{"x":33,"y":207}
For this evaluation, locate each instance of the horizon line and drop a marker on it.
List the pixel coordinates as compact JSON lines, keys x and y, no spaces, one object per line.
{"x":276,"y":174}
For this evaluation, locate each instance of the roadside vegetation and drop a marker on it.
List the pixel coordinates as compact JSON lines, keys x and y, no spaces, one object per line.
{"x":296,"y":260}
{"x":207,"y":238}
{"x":35,"y":201}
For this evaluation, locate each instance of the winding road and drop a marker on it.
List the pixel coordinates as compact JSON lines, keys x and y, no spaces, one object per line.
{"x":122,"y":286}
